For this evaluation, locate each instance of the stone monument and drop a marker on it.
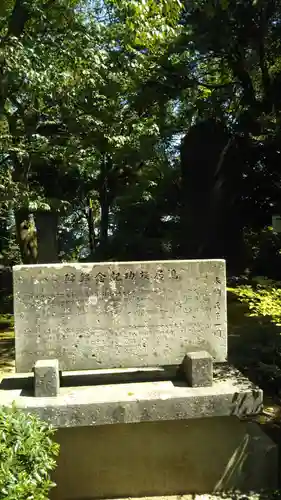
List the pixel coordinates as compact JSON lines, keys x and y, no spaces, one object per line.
{"x":127,"y":343}
{"x":125,"y":315}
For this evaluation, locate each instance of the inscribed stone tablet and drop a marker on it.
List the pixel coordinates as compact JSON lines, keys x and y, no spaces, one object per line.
{"x":122,"y":314}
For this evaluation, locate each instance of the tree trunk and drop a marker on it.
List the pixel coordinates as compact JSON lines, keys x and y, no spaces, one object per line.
{"x":16,"y":25}
{"x":26,"y":237}
{"x":47,"y":241}
{"x":105,"y":205}
{"x":91,"y":226}
{"x":104,"y":226}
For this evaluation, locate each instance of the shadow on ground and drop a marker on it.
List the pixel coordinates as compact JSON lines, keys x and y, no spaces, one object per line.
{"x":255,"y":349}
{"x":7,"y":352}
{"x":254,"y":346}
{"x":7,"y":343}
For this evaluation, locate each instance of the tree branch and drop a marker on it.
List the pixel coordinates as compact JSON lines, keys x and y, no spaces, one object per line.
{"x":266,"y":81}
{"x":20,"y":15}
{"x":216,"y":85}
{"x":18,"y":19}
{"x":237,"y":65}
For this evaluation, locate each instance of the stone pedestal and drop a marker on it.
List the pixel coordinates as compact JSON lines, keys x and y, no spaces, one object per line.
{"x":164,"y":458}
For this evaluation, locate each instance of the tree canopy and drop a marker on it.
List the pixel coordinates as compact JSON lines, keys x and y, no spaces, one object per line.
{"x":139,"y":129}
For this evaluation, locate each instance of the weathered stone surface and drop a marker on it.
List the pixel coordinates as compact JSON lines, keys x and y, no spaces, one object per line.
{"x":163,"y":458}
{"x":230,"y":394}
{"x":111,"y":315}
{"x":198,"y":368}
{"x":46,"y":378}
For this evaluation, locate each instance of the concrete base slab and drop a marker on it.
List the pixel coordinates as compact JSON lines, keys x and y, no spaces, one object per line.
{"x":230,"y":394}
{"x":198,"y":456}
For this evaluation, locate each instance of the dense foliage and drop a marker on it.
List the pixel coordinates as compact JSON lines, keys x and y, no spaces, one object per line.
{"x":27,"y":456}
{"x":139,"y":130}
{"x":263,"y":300}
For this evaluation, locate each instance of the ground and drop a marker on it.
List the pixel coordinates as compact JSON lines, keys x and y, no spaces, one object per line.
{"x":7,"y":350}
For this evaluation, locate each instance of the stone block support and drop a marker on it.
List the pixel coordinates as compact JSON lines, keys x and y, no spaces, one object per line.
{"x":46,"y":378}
{"x":198,"y":369}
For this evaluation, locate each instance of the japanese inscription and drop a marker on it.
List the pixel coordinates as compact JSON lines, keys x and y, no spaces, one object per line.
{"x":101,"y":277}
{"x":69,"y":278}
{"x":129,"y":275}
{"x":144,"y":275}
{"x":217,"y":298}
{"x":85,"y":278}
{"x":111,"y":315}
